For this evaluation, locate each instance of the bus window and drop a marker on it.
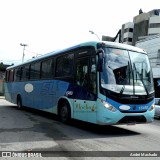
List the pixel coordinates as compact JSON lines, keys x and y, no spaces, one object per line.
{"x":22,"y":73}
{"x":64,"y":66}
{"x":11,"y":74}
{"x":25,"y":75}
{"x":82,"y":72}
{"x":47,"y":69}
{"x":17,"y":75}
{"x":7,"y":75}
{"x":92,"y":86}
{"x":35,"y":71}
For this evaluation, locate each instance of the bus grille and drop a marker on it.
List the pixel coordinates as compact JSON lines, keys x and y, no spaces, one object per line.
{"x":133,"y":119}
{"x":133,"y":111}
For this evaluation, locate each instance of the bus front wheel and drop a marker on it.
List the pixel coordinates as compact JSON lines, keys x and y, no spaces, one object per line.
{"x":65,"y":112}
{"x":19,"y":102}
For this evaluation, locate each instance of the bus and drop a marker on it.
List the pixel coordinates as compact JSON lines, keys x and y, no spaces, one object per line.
{"x":104,"y":83}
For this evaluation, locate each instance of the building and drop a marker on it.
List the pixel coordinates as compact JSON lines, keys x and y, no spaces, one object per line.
{"x":154,"y":22}
{"x":146,"y":35}
{"x":127,"y":33}
{"x":144,"y":24}
{"x":144,"y":32}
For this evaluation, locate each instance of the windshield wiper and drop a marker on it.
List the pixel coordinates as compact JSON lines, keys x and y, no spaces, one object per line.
{"x":123,"y":87}
{"x":121,"y":91}
{"x":137,"y":73}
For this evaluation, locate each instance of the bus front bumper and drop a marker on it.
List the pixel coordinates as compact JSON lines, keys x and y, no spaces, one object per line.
{"x":114,"y":118}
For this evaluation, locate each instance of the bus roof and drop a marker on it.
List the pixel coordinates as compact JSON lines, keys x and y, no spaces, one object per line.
{"x":90,"y":43}
{"x":123,"y":46}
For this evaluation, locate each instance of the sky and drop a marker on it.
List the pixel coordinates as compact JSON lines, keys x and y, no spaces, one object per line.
{"x":49,"y":25}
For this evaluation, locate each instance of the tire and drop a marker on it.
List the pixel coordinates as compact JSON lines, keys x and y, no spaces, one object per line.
{"x":65,"y":112}
{"x":19,"y":102}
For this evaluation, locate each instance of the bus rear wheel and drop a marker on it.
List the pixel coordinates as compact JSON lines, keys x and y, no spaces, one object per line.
{"x":65,"y":113}
{"x":19,"y":102}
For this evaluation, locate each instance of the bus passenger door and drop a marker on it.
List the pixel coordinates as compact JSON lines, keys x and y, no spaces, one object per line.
{"x":84,"y":100}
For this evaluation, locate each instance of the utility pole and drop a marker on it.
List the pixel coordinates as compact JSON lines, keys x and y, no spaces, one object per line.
{"x":24,"y":45}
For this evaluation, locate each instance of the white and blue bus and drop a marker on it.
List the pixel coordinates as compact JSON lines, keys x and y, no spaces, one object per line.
{"x":103,"y":83}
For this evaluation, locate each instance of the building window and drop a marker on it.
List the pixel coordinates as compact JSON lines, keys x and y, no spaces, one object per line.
{"x":128,"y":30}
{"x":154,"y":25}
{"x":156,"y":12}
{"x":125,"y":30}
{"x":127,"y":39}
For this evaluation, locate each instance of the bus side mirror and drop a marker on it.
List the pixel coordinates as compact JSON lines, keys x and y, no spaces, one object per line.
{"x":100,"y":54}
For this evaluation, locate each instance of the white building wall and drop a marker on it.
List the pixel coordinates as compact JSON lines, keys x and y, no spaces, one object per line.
{"x":129,"y":25}
{"x":154,"y":20}
{"x":128,"y":34}
{"x":153,"y":31}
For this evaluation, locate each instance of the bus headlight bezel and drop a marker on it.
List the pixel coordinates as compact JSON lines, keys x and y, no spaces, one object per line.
{"x":151,"y":107}
{"x":109,"y":106}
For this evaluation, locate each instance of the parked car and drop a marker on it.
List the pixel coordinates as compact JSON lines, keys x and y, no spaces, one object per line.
{"x":157,"y":111}
{"x":157,"y":107}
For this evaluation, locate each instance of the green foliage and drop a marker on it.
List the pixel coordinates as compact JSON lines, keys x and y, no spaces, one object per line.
{"x":2,"y":67}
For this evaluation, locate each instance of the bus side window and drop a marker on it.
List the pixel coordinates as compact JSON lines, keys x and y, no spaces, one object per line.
{"x":7,"y":75}
{"x":11,"y":75}
{"x":82,"y":72}
{"x":93,"y":76}
{"x":27,"y":73}
{"x":35,"y":71}
{"x":64,"y":65}
{"x":17,"y":75}
{"x":47,"y":69}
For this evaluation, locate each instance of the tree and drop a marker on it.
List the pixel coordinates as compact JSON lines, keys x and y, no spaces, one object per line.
{"x":3,"y":66}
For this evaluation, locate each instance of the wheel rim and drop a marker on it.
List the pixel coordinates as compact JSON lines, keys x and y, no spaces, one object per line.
{"x":19,"y":104}
{"x":64,"y":113}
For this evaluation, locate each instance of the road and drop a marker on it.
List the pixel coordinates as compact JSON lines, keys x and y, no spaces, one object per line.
{"x":31,"y":130}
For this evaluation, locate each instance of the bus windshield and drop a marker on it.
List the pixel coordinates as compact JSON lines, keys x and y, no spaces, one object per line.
{"x":126,"y":72}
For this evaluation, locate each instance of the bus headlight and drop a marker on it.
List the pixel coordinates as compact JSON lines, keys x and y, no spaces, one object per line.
{"x":109,"y":106}
{"x":151,"y":107}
